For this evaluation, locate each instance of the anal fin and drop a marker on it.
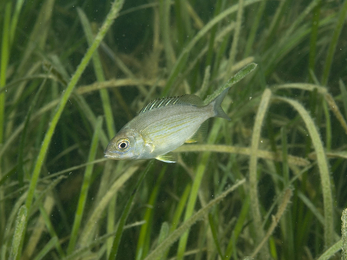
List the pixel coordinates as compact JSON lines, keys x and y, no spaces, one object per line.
{"x":191,"y":140}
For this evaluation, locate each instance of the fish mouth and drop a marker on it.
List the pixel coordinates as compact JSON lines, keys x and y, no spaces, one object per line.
{"x":110,"y":155}
{"x":115,"y":155}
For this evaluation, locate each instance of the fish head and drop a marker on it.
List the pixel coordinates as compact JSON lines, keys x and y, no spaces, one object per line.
{"x":127,"y":144}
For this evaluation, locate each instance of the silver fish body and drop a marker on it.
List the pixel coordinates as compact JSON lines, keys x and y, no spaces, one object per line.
{"x":162,"y":126}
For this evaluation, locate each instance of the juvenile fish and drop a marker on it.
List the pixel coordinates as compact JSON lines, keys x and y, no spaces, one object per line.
{"x":162,"y":126}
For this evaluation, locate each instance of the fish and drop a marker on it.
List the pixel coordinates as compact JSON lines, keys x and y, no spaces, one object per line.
{"x":162,"y":126}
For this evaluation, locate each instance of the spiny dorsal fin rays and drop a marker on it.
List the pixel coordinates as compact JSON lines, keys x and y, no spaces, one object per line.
{"x":190,"y":100}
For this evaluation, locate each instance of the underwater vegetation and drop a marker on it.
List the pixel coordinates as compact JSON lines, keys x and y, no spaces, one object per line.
{"x":268,"y":184}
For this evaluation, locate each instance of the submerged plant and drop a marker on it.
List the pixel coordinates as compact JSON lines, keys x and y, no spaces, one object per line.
{"x":269,"y":184}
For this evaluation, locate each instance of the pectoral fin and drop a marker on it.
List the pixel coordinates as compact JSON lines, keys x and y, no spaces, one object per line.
{"x":168,"y":158}
{"x":150,"y":146}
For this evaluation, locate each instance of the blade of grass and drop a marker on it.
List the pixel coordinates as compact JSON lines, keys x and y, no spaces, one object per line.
{"x":335,"y":109}
{"x":102,"y":204}
{"x":294,"y":160}
{"x":165,"y":245}
{"x":4,"y":59}
{"x":236,"y":36}
{"x":20,"y":93}
{"x":8,"y":231}
{"x":274,"y":23}
{"x":253,"y":170}
{"x":99,"y":75}
{"x":48,"y":247}
{"x":117,"y":5}
{"x":144,"y":237}
{"x":164,"y":7}
{"x":331,"y":251}
{"x":164,"y":232}
{"x":323,"y":170}
{"x":184,"y":54}
{"x":323,"y":91}
{"x":214,"y":234}
{"x":307,"y":11}
{"x":23,"y":136}
{"x":44,"y":222}
{"x":111,"y":220}
{"x":327,"y":127}
{"x":343,"y":91}
{"x":217,"y":10}
{"x":14,"y":20}
{"x":204,"y":87}
{"x":38,"y":35}
{"x":39,"y":228}
{"x":344,"y":234}
{"x":65,"y":97}
{"x":314,"y":35}
{"x":19,"y":233}
{"x":71,"y":169}
{"x":201,"y":168}
{"x":88,"y":112}
{"x":179,"y":23}
{"x":237,"y":230}
{"x":275,"y":219}
{"x":44,"y":148}
{"x":272,"y":137}
{"x":178,"y":212}
{"x":205,"y":157}
{"x":85,"y":187}
{"x":97,"y":241}
{"x":220,"y":52}
{"x":52,"y":232}
{"x":180,"y":207}
{"x":278,"y":52}
{"x":311,"y":207}
{"x":125,"y":213}
{"x":3,"y":68}
{"x":287,"y":220}
{"x":7,"y":175}
{"x":333,"y":43}
{"x":255,"y":25}
{"x":233,"y":80}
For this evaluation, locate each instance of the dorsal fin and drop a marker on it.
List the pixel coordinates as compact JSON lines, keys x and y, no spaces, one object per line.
{"x":191,"y":100}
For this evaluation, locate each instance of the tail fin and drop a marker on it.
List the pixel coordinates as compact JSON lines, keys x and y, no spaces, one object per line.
{"x":217,"y":105}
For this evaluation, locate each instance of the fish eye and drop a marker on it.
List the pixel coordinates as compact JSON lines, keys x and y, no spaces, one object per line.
{"x":123,"y":144}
